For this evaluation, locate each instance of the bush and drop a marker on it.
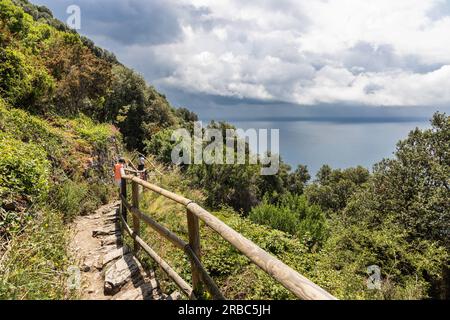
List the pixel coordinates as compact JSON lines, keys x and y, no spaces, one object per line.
{"x":74,"y":198}
{"x":96,"y":134}
{"x":293,"y":215}
{"x":405,"y":265}
{"x":24,"y":169}
{"x":70,"y":197}
{"x":14,"y":74}
{"x":17,"y":21}
{"x":276,"y":217}
{"x":24,"y":174}
{"x":23,"y":84}
{"x":27,"y":128}
{"x":161,"y":146}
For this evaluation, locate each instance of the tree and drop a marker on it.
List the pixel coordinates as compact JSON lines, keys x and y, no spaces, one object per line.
{"x":274,"y":186}
{"x":161,"y":146}
{"x":412,"y":192}
{"x":227,"y":184}
{"x":82,"y":78}
{"x":137,"y":109}
{"x":333,"y":188}
{"x":186,"y":115}
{"x":405,"y":265}
{"x":414,"y":187}
{"x":127,"y":88}
{"x":297,"y":180}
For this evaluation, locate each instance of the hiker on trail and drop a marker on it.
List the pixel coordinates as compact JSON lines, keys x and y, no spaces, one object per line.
{"x":119,"y":171}
{"x":141,"y":162}
{"x":141,"y":167}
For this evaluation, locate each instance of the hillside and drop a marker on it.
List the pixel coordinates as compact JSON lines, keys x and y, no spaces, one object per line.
{"x":51,"y":171}
{"x":68,"y":109}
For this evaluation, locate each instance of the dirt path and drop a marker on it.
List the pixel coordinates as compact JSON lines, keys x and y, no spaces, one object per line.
{"x":109,"y":271}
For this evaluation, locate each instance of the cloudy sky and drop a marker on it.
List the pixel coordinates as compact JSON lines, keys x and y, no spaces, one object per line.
{"x":361,"y":53}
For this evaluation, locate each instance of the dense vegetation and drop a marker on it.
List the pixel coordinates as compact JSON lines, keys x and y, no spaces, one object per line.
{"x":55,"y":161}
{"x":65,"y":107}
{"x":51,"y":171}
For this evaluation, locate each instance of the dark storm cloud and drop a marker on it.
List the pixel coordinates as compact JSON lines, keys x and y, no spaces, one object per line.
{"x":210,"y":107}
{"x":126,"y":22}
{"x":234,"y":53}
{"x":365,"y":57}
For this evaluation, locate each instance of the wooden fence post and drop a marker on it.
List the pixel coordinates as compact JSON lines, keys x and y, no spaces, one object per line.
{"x":136,"y":221}
{"x":194,"y":243}
{"x":123,"y":190}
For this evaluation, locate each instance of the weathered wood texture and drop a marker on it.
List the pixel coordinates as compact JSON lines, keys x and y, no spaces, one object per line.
{"x":289,"y":278}
{"x":194,"y":242}
{"x":136,"y":221}
{"x":300,"y":286}
{"x":210,"y":285}
{"x":183,"y":285}
{"x":123,"y":192}
{"x":163,"y":231}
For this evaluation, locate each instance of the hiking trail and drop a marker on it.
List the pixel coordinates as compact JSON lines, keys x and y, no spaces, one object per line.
{"x":109,"y":270}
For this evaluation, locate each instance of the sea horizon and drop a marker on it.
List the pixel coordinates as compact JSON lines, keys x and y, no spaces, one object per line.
{"x":338,"y":141}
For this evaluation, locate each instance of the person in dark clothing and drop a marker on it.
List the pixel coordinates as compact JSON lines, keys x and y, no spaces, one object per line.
{"x":141,"y":162}
{"x":141,"y":167}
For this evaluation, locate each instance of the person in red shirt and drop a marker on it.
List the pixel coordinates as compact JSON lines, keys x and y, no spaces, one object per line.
{"x":119,"y":171}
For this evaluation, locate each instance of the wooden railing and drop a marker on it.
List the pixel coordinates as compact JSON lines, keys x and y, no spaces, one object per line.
{"x":300,"y":286}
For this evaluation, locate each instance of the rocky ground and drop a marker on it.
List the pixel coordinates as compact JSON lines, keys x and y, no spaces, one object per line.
{"x":109,"y":270}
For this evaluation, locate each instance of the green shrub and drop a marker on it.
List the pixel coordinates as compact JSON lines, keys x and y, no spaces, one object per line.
{"x":14,"y":74}
{"x":18,"y":22}
{"x":23,"y":83}
{"x":74,"y":198}
{"x":276,"y":217}
{"x":24,"y":175}
{"x":69,"y":197}
{"x":161,"y":146}
{"x":96,"y":134}
{"x":24,"y":169}
{"x":406,"y":265}
{"x":103,"y":192}
{"x":28,"y":128}
{"x":293,"y":215}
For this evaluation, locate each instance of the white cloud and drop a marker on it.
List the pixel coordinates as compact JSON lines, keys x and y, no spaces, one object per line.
{"x":369,"y":52}
{"x":310,"y":52}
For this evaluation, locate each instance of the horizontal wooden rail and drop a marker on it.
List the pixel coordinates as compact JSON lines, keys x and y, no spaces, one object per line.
{"x":134,"y":170}
{"x":183,"y":285}
{"x":288,"y":277}
{"x":170,"y":195}
{"x":180,"y":244}
{"x":300,"y":286}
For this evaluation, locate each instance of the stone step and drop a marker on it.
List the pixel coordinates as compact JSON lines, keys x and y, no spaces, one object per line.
{"x":112,"y":213}
{"x":119,"y":273}
{"x":111,"y":220}
{"x":123,"y":275}
{"x":91,"y":262}
{"x":108,"y":230}
{"x":112,"y":240}
{"x":144,"y":292}
{"x":115,"y":254}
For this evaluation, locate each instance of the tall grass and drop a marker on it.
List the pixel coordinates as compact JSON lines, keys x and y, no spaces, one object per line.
{"x":74,"y":198}
{"x":35,"y":263}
